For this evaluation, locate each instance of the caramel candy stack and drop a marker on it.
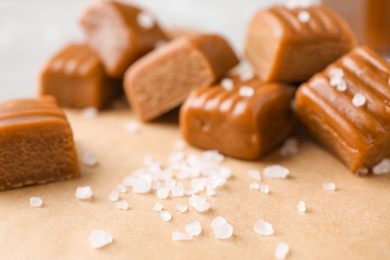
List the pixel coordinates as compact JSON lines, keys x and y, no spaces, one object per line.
{"x":347,"y":108}
{"x":36,"y":144}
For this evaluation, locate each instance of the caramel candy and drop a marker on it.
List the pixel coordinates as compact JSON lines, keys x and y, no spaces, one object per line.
{"x":75,"y":76}
{"x":119,"y":34}
{"x":347,"y":108}
{"x":243,"y":119}
{"x":36,"y":144}
{"x":291,"y":45}
{"x":161,"y":80}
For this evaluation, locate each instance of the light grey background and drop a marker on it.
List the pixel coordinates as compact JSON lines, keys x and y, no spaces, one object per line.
{"x":31,"y":31}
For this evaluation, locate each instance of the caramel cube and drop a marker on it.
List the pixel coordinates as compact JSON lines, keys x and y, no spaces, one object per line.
{"x":36,"y":144}
{"x":242,"y":119}
{"x":76,"y":78}
{"x":162,"y":79}
{"x":291,"y":45}
{"x":119,"y":34}
{"x":347,"y":108}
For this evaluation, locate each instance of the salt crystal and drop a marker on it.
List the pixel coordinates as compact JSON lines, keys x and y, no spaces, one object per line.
{"x":197,"y":184}
{"x":99,"y":238}
{"x":382,"y":167}
{"x":199,"y":203}
{"x":342,"y":86}
{"x":225,"y":172}
{"x":90,"y":112}
{"x":35,"y":202}
{"x":255,"y":174}
{"x":301,"y":206}
{"x":246,"y":76}
{"x":84,"y":193}
{"x":156,"y":185}
{"x":358,"y":100}
{"x":194,"y":228}
{"x":142,"y":185}
{"x":217,"y":221}
{"x":210,"y":191}
{"x":329,"y":186}
{"x":165,"y":215}
{"x":264,"y":188}
{"x":336,"y":73}
{"x":263,"y":228}
{"x":281,"y":250}
{"x":121,"y":188}
{"x":114,"y":196}
{"x":178,"y":190}
{"x":246,"y":91}
{"x":158,"y":206}
{"x":292,"y":4}
{"x":132,"y":127}
{"x":223,"y":231}
{"x":289,"y":148}
{"x":162,"y":193}
{"x":122,"y":205}
{"x":189,"y":191}
{"x":179,"y":145}
{"x":128,"y":181}
{"x":146,"y":20}
{"x":179,"y":236}
{"x":181,"y":207}
{"x":227,"y":84}
{"x":254,"y":186}
{"x":304,"y":16}
{"x":276,"y":171}
{"x":213,"y":155}
{"x":89,"y":159}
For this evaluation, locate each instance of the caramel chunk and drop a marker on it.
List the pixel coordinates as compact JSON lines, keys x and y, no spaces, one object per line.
{"x":291,"y":45}
{"x":347,"y":108}
{"x":75,"y":77}
{"x":161,"y":80}
{"x":36,"y":144}
{"x":244,"y":121}
{"x":119,"y":34}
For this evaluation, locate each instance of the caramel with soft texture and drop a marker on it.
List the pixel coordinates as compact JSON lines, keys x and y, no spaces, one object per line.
{"x":162,"y":79}
{"x":36,"y":144}
{"x":359,"y":135}
{"x":291,"y":45}
{"x":237,"y":126}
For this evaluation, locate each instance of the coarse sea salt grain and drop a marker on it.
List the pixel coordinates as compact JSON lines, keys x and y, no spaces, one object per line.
{"x":199,"y":203}
{"x":121,"y":188}
{"x":89,"y":159}
{"x":276,"y":171}
{"x":84,"y":193}
{"x":254,"y":174}
{"x":217,"y":221}
{"x":248,"y":75}
{"x":330,"y":186}
{"x":132,"y":127}
{"x":90,"y":112}
{"x":165,"y":215}
{"x":99,"y":238}
{"x":301,"y":206}
{"x":263,"y":228}
{"x":179,"y":236}
{"x":142,"y":185}
{"x":342,"y":86}
{"x":254,"y":186}
{"x":223,"y":231}
{"x":122,"y":205}
{"x":193,"y":228}
{"x":162,"y":193}
{"x":382,"y":167}
{"x":146,"y":20}
{"x":35,"y":202}
{"x":114,"y":196}
{"x":210,"y":191}
{"x":281,"y":250}
{"x":358,"y":100}
{"x":227,"y":84}
{"x":246,"y":91}
{"x":264,"y":188}
{"x":178,"y":190}
{"x":304,"y":16}
{"x":289,"y":148}
{"x":181,"y":207}
{"x":158,"y":206}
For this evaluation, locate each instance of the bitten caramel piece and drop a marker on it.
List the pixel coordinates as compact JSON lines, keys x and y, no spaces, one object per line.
{"x":161,"y":80}
{"x":291,"y":45}
{"x":36,"y":144}
{"x":76,"y":78}
{"x":242,"y":119}
{"x":119,"y":34}
{"x":347,"y":108}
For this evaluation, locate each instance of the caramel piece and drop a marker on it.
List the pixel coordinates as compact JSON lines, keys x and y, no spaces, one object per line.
{"x":36,"y":144}
{"x":245,"y":122}
{"x":119,"y":34}
{"x":161,"y":80}
{"x":347,"y":108}
{"x":291,"y":45}
{"x":75,"y":76}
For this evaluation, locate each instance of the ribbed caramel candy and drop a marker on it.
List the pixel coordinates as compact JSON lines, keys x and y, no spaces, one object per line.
{"x":245,"y":122}
{"x":291,"y":45}
{"x":36,"y":144}
{"x":347,"y":108}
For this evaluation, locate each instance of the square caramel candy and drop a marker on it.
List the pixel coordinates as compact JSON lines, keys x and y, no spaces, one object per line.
{"x":36,"y":144}
{"x":162,"y":79}
{"x":76,"y":78}
{"x":347,"y":108}
{"x":119,"y":34}
{"x":242,"y":119}
{"x":291,"y":45}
